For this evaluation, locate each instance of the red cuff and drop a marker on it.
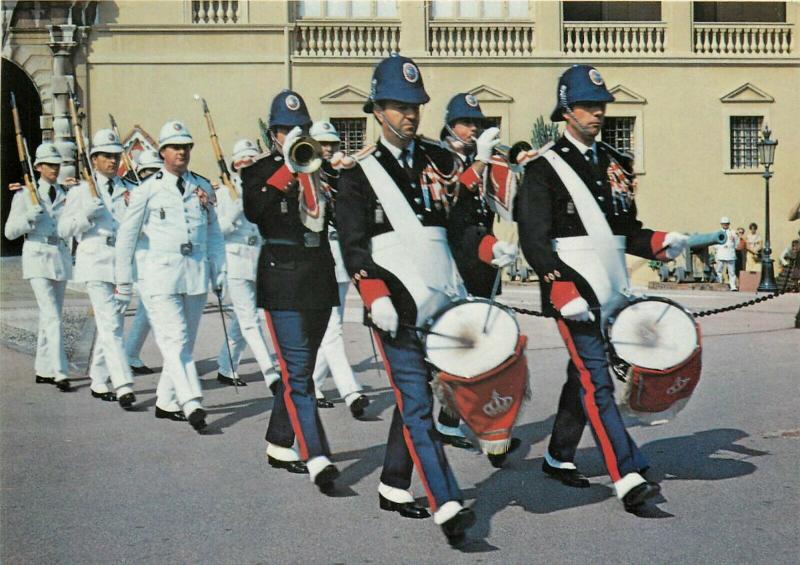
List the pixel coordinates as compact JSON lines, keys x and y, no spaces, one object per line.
{"x":371,"y":290}
{"x":657,"y":245}
{"x":485,"y":249}
{"x":563,"y":292}
{"x":470,"y":179}
{"x":281,"y":179}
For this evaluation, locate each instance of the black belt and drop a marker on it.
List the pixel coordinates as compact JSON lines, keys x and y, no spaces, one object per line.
{"x":48,"y":239}
{"x":310,"y":239}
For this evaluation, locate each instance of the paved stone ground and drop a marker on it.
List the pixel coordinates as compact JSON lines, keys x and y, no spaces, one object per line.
{"x":84,"y":482}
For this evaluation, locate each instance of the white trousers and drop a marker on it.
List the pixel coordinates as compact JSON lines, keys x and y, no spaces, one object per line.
{"x":245,"y":327}
{"x":331,"y":355}
{"x":731,"y":266}
{"x":109,"y":362}
{"x":175,"y":319}
{"x":51,"y":360}
{"x":137,"y":334}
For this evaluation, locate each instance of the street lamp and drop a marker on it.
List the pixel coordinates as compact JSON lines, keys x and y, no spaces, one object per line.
{"x":766,"y":156}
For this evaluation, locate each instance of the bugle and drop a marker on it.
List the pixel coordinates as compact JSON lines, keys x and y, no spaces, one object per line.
{"x":305,"y":155}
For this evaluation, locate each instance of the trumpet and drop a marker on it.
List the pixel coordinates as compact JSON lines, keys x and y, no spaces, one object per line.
{"x":513,"y":151}
{"x":305,"y":155}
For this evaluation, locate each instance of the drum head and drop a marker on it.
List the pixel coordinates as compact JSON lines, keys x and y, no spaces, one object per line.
{"x":653,"y":334}
{"x":459,"y":346}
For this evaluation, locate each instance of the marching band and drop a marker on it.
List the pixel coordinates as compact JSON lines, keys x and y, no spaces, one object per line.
{"x":409,"y":222}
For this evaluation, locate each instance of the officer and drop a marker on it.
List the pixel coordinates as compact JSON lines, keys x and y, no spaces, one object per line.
{"x":242,"y":246}
{"x":147,"y":163}
{"x":186,"y":250}
{"x":46,"y":261}
{"x":577,"y":217}
{"x":331,"y":357}
{"x":93,"y":219}
{"x":391,"y":219}
{"x":295,"y":285}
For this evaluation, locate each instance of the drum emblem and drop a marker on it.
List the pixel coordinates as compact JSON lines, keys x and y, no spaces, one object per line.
{"x":680,"y":384}
{"x":497,"y":405}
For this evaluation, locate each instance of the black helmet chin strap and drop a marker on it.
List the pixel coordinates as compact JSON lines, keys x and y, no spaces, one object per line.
{"x":458,"y":143}
{"x":399,"y":134}
{"x":562,"y":98}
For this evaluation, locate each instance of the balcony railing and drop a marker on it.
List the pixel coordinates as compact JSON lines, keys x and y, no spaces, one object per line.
{"x":743,"y":39}
{"x":216,"y":11}
{"x":346,"y":39}
{"x":482,"y":39}
{"x":614,"y":38}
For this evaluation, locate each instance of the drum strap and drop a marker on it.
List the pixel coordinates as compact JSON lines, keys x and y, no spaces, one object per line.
{"x":395,"y":205}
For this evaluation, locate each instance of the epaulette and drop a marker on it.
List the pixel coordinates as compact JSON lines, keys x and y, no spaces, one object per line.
{"x":616,"y":153}
{"x":533,"y":154}
{"x":159,"y":175}
{"x":430,"y":141}
{"x":258,"y":158}
{"x":201,"y":177}
{"x":340,"y":161}
{"x":365,"y":151}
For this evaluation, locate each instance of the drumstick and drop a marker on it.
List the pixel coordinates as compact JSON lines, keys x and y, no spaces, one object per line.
{"x":495,"y":288}
{"x":463,"y":340}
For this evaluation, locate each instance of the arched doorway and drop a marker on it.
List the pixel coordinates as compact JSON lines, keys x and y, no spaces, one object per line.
{"x":15,"y":80}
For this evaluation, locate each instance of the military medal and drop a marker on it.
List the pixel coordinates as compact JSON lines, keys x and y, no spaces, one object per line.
{"x":284,"y":207}
{"x":378,"y":214}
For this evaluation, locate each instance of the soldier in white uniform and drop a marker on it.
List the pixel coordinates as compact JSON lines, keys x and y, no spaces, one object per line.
{"x":147,"y":164}
{"x":726,"y":254}
{"x":46,"y":261}
{"x":93,"y":221}
{"x":242,"y":246}
{"x":185,"y":251}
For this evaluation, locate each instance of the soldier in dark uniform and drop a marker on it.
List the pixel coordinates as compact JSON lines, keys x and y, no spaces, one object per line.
{"x":295,"y":286}
{"x":391,"y":220}
{"x":556,"y":214}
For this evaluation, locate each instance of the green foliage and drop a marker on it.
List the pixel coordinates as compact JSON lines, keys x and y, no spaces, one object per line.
{"x":543,"y":133}
{"x":264,"y":131}
{"x":655,"y":265}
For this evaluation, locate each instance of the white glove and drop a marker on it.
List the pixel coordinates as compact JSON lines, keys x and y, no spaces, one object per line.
{"x":676,"y":243}
{"x":577,"y":310}
{"x":486,"y":144}
{"x":384,"y":316}
{"x":94,"y":208}
{"x":33,"y":214}
{"x":290,"y":139}
{"x":122,"y":296}
{"x":218,"y":280}
{"x":504,"y":254}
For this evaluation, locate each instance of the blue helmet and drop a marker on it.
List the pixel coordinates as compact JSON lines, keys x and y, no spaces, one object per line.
{"x":579,"y":83}
{"x":288,"y":109}
{"x":396,"y":78}
{"x":463,"y":106}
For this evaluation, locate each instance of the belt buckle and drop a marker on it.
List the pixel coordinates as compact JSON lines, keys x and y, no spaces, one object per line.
{"x":186,"y":248}
{"x":311,"y":239}
{"x":333,"y":235}
{"x":252,"y":240}
{"x":111,"y":241}
{"x":52,"y":240}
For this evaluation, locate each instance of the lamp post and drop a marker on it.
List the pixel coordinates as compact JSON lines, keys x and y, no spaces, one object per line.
{"x":766,"y":156}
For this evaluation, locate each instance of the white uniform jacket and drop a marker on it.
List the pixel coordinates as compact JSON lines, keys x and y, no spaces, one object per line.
{"x":242,"y":239}
{"x":44,"y":253}
{"x":94,"y":259}
{"x":185,"y":244}
{"x":727,"y":251}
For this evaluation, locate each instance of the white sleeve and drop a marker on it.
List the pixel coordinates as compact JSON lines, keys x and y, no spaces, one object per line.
{"x":128,"y":233}
{"x":17,"y":223}
{"x":73,"y":220}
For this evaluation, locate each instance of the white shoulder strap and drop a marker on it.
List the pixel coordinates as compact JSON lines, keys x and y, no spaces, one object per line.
{"x":395,"y":205}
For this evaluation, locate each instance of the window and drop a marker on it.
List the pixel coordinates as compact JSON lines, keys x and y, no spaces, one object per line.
{"x":612,"y":11}
{"x":492,"y":122}
{"x":744,"y":134}
{"x":739,"y":12}
{"x":352,"y":132}
{"x":480,"y":9}
{"x":352,"y":9}
{"x":619,"y":132}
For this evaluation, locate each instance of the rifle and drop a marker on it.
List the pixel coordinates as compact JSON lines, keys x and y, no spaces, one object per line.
{"x":86,"y":170}
{"x":224,"y":175}
{"x":125,"y":157}
{"x":24,"y":156}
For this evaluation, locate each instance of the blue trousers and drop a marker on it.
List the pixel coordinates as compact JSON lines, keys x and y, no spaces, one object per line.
{"x":588,"y":395}
{"x":296,"y":335}
{"x":413,"y":441}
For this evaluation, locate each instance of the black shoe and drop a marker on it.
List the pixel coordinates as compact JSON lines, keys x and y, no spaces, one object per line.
{"x":497,"y":459}
{"x":455,"y":527}
{"x":456,"y":441}
{"x":297,"y":467}
{"x":127,"y":400}
{"x":106,"y":396}
{"x":358,"y":405}
{"x":198,"y":419}
{"x":569,"y":477}
{"x":45,"y":380}
{"x":230,"y":381}
{"x":405,"y":509}
{"x":177,"y":416}
{"x":64,"y":385}
{"x":322,"y":403}
{"x":324,"y":479}
{"x":143,"y":370}
{"x":639,"y":494}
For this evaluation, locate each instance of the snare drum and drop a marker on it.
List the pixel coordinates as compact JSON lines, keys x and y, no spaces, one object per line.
{"x":480,"y":375}
{"x":655,"y":347}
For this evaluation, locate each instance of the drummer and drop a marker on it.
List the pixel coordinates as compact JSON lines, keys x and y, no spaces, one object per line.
{"x":408,"y":172}
{"x":594,"y":206}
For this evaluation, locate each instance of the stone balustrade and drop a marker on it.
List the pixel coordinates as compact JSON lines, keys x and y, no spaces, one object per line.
{"x":614,"y":38}
{"x":216,"y":11}
{"x":346,"y":39}
{"x":743,"y":39}
{"x":481,"y":39}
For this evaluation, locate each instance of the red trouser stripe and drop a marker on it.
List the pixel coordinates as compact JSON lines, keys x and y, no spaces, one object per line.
{"x":592,"y":412}
{"x":287,"y":391}
{"x":406,"y":434}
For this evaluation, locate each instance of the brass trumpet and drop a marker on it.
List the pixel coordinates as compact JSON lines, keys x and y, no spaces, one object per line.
{"x":305,"y":155}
